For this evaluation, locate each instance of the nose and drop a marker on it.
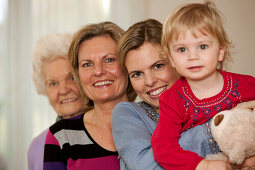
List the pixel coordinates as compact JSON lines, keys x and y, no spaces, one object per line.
{"x":64,"y":87}
{"x":150,"y":79}
{"x":193,"y":55}
{"x":98,"y":69}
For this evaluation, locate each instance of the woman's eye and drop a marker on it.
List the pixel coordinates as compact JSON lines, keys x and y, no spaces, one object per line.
{"x":72,"y":77}
{"x":52,"y":84}
{"x":203,"y":46}
{"x":158,"y":66}
{"x":181,"y":49}
{"x":136,"y":75}
{"x":110,"y":60}
{"x":86,"y":64}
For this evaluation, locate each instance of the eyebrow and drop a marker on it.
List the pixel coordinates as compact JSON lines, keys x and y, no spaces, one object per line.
{"x":52,"y":79}
{"x":104,"y":56}
{"x":162,"y":60}
{"x":159,"y":61}
{"x":133,"y":72}
{"x":199,"y":42}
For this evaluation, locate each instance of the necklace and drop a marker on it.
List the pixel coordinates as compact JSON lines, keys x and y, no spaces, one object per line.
{"x":150,"y":111}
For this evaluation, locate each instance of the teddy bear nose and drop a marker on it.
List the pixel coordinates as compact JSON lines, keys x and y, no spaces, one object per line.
{"x":218,"y":119}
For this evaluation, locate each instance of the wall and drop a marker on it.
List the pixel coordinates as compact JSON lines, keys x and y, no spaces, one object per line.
{"x":239,"y":23}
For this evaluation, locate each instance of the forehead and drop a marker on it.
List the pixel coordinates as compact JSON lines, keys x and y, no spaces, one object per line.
{"x":97,"y":46}
{"x":57,"y":69}
{"x":181,"y":33}
{"x":144,"y":57}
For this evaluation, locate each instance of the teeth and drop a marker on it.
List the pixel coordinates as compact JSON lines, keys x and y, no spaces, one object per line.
{"x":101,"y":83}
{"x":156,"y":92}
{"x":68,"y":100}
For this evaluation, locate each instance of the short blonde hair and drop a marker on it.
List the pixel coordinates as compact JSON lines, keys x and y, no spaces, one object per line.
{"x":202,"y":17}
{"x":48,"y":48}
{"x":86,"y":33}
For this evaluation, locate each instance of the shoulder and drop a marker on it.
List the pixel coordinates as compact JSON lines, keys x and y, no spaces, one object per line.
{"x":38,"y":141}
{"x":236,"y":75}
{"x":173,"y":91}
{"x":71,"y":123}
{"x":239,"y":78}
{"x":125,"y":112}
{"x":69,"y":131}
{"x":126,"y":106}
{"x":124,"y":109}
{"x":36,"y":148}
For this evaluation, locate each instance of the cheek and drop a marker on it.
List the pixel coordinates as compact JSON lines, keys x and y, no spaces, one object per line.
{"x":84,"y":77}
{"x":75,"y":89}
{"x":137,"y":85}
{"x":52,"y":96}
{"x":168,"y":75}
{"x":118,"y":73}
{"x":115,"y":70}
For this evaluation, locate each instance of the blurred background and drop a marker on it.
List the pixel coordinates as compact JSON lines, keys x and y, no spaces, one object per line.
{"x":23,"y":113}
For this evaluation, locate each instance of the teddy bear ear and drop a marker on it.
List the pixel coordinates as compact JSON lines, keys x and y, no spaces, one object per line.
{"x":218,"y":119}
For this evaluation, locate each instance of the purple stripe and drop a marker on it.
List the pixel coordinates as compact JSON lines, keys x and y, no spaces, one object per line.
{"x":54,"y":166}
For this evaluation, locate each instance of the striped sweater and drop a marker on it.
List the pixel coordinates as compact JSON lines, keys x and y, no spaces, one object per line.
{"x":69,"y":146}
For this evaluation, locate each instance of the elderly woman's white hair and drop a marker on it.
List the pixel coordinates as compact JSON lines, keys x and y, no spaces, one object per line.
{"x":48,"y":48}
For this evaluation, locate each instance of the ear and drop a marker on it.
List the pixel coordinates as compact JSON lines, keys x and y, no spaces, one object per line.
{"x":221,"y":53}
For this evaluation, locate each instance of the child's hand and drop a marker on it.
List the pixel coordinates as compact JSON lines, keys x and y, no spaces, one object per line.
{"x":248,"y":164}
{"x":246,"y":105}
{"x":212,"y":165}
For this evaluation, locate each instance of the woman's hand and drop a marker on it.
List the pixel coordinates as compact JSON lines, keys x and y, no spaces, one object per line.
{"x":246,"y":105}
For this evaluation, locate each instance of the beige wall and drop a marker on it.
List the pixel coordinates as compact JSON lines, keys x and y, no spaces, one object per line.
{"x":239,"y":17}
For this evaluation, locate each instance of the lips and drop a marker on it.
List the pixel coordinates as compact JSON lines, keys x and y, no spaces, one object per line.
{"x":156,"y":92}
{"x":103,"y":83}
{"x":68,"y":100}
{"x":195,"y":68}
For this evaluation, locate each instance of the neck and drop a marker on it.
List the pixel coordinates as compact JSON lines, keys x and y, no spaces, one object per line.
{"x":207,"y":87}
{"x":156,"y":109}
{"x":103,"y":110}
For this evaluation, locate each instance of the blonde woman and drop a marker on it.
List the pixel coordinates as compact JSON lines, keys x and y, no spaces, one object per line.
{"x":86,"y":142}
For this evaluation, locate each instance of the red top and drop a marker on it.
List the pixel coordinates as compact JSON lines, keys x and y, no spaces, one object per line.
{"x":180,"y":110}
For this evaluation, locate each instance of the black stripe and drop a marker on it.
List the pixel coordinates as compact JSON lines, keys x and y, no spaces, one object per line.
{"x":86,"y":151}
{"x":73,"y":124}
{"x":89,"y":151}
{"x":54,"y":154}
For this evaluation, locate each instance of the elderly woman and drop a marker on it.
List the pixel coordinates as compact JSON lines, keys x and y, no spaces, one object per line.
{"x":52,"y":76}
{"x":150,"y":74}
{"x":86,"y":142}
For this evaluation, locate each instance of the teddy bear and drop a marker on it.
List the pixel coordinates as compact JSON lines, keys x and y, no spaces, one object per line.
{"x":234,"y":132}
